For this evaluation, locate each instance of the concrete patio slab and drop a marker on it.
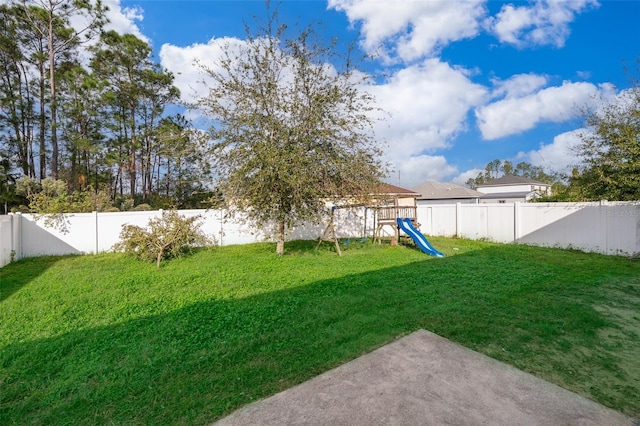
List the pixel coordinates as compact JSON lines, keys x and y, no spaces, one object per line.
{"x":424,"y":379}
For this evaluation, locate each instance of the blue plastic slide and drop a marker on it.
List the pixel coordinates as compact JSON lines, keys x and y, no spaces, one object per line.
{"x":420,"y":240}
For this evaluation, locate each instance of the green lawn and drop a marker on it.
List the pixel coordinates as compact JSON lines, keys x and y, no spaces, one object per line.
{"x":109,"y":340}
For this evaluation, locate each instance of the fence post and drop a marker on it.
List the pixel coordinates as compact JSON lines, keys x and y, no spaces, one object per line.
{"x":17,"y":235}
{"x":603,"y":240}
{"x":637,"y":216}
{"x":221,"y":222}
{"x":459,"y":220}
{"x":95,"y":216}
{"x":10,"y":250}
{"x":516,"y":221}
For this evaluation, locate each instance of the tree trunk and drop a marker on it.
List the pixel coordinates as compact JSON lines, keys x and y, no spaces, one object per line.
{"x":42,"y":118}
{"x":280,"y":243}
{"x":132,"y":158}
{"x":54,"y":106}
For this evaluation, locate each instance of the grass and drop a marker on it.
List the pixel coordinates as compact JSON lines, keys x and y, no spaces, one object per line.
{"x":109,"y":340}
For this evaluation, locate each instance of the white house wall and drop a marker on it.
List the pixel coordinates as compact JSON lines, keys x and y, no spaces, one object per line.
{"x":504,"y":188}
{"x":406,"y":201}
{"x":503,"y":200}
{"x":448,"y":201}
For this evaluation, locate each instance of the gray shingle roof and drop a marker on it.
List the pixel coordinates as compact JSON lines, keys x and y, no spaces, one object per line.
{"x":433,"y":190}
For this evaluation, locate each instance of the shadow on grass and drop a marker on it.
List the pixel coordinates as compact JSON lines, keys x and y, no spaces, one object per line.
{"x":198,"y":363}
{"x":16,"y":275}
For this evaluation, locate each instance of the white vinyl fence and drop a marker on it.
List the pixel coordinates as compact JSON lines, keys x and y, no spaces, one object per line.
{"x":603,"y":227}
{"x":22,"y":235}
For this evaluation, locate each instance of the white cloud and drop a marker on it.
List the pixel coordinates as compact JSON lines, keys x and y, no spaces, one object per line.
{"x":428,"y":105}
{"x":418,"y":169}
{"x":412,"y":30}
{"x":543,"y":22}
{"x":514,"y":115}
{"x":518,"y":85}
{"x":124,"y":19}
{"x":558,"y":156}
{"x":463,"y":177}
{"x":186,"y":64}
{"x":584,"y":75}
{"x":561,"y":155}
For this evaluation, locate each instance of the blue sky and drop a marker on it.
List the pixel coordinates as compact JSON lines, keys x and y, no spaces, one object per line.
{"x":466,"y":82}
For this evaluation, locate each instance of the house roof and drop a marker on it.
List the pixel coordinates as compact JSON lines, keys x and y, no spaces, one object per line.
{"x":396,"y":191}
{"x":508,"y":180}
{"x":433,"y":190}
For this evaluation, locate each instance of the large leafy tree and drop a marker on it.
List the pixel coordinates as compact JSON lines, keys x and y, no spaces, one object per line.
{"x":610,"y":149}
{"x":292,"y":128}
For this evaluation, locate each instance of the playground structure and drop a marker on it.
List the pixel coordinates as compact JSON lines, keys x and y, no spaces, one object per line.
{"x":390,"y":203}
{"x":329,"y":233}
{"x":399,"y":218}
{"x":393,"y":207}
{"x":385,"y":216}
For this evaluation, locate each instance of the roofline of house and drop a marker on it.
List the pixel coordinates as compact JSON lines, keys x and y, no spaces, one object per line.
{"x":513,"y":184}
{"x":508,"y":195}
{"x":445,"y":198}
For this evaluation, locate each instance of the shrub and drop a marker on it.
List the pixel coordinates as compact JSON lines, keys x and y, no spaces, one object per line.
{"x":142,"y":208}
{"x":50,"y":199}
{"x":166,"y":237}
{"x":126,"y":204}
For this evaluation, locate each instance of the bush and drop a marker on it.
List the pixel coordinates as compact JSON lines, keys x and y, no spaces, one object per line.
{"x":166,"y":237}
{"x":50,"y":199}
{"x":126,"y":205}
{"x":142,"y":208}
